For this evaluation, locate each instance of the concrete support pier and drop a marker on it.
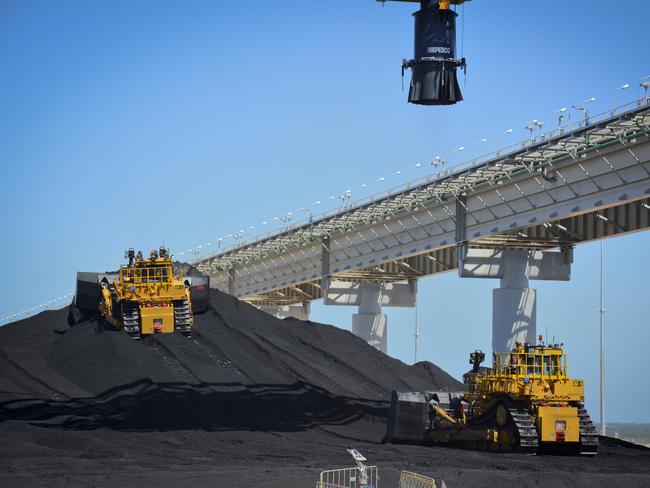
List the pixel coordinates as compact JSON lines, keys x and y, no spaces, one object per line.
{"x":300,"y":312}
{"x":370,"y":324}
{"x":514,"y":305}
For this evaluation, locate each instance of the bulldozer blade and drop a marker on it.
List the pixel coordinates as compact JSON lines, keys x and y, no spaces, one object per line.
{"x":87,"y":294}
{"x":199,"y":293}
{"x":407,"y":420}
{"x":199,"y":284}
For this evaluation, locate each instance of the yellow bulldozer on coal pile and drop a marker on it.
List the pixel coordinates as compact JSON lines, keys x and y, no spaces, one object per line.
{"x":146,"y":296}
{"x":526,"y":402}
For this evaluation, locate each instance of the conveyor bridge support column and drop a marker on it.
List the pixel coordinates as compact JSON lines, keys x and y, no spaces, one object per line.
{"x":514,"y":303}
{"x":299,"y":311}
{"x":370,"y":323}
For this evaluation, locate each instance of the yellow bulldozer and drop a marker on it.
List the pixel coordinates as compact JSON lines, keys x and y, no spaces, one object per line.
{"x":525,"y":402}
{"x":149,"y":295}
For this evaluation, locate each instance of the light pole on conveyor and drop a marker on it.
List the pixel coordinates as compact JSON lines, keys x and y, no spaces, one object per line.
{"x":417,"y":332}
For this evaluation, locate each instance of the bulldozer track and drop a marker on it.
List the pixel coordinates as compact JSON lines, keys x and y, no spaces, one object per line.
{"x":522,"y":423}
{"x":182,"y":317}
{"x":525,"y":425}
{"x":131,"y":320}
{"x":588,"y":435}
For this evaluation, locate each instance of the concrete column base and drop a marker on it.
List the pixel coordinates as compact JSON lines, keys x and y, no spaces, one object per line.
{"x":372,"y":328}
{"x":300,"y":312}
{"x":514,"y":317}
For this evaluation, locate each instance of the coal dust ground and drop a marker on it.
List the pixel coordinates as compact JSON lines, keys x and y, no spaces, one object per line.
{"x":249,"y":400}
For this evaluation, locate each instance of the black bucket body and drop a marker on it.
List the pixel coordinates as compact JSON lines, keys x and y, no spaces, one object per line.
{"x":434,"y":80}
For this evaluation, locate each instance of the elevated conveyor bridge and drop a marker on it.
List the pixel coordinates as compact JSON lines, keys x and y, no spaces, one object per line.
{"x":570,"y":187}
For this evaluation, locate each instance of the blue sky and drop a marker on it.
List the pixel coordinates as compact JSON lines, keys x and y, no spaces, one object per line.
{"x":129,"y":123}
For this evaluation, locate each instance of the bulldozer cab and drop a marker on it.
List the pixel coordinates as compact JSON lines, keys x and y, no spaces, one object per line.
{"x":524,"y":371}
{"x":155,"y":270}
{"x":142,"y":275}
{"x":539,"y":362}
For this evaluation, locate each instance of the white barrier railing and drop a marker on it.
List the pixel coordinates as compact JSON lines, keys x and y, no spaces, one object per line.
{"x":349,"y":478}
{"x":54,"y":304}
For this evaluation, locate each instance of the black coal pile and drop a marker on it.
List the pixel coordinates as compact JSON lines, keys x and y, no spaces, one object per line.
{"x":240,"y":362}
{"x":248,"y":400}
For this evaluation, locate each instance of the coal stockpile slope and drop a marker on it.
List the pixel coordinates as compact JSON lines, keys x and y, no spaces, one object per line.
{"x":239,"y":362}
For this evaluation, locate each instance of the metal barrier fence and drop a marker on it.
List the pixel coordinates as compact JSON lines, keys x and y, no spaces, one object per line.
{"x":414,"y":480}
{"x":349,"y":478}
